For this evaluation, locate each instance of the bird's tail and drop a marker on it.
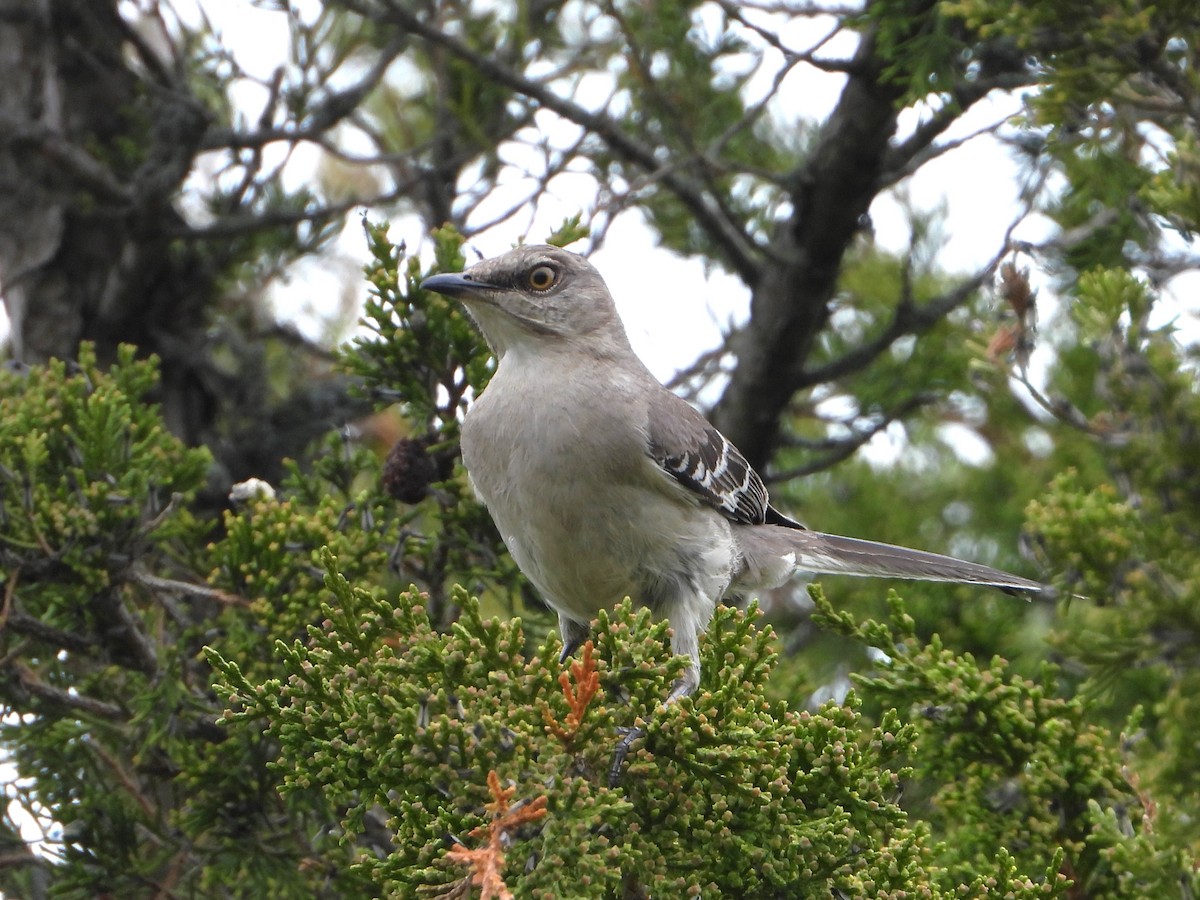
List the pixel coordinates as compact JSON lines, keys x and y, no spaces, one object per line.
{"x":773,"y":554}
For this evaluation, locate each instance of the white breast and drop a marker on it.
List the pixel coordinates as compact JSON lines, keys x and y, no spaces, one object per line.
{"x":586,"y":514}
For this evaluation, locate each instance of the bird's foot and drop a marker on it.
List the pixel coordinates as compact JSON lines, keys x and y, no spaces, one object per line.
{"x":684,"y":686}
{"x":573,"y":636}
{"x":628,"y":736}
{"x":568,"y":650}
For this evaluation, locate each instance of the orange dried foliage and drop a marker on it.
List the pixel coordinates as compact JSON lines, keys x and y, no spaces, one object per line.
{"x":1021,"y":298}
{"x":1004,"y":342}
{"x":487,"y":862}
{"x":578,"y":687}
{"x":1016,"y":290}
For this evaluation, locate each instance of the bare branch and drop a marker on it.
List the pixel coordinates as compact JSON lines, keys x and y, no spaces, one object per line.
{"x":702,"y":367}
{"x":337,"y":105}
{"x":735,"y":11}
{"x":806,"y":9}
{"x":1061,"y":409}
{"x":250,"y":223}
{"x":908,"y":319}
{"x":334,"y":108}
{"x":21,"y":858}
{"x":124,"y":778}
{"x":82,"y":703}
{"x":740,"y":251}
{"x":914,"y":152}
{"x":830,"y":192}
{"x":838,"y":450}
{"x":123,"y":633}
{"x":903,"y":168}
{"x":186,"y":588}
{"x":88,"y":172}
{"x":22,"y":623}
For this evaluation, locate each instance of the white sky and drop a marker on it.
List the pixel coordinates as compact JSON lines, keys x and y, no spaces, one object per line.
{"x":689,"y":306}
{"x":976,"y":185}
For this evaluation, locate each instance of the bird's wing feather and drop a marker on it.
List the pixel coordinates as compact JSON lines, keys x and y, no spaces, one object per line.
{"x":694,"y":453}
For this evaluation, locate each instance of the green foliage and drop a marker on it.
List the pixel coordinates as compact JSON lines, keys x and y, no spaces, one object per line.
{"x":680,"y":76}
{"x":1106,"y":471}
{"x":728,"y":793}
{"x":105,"y":709}
{"x":267,"y":555}
{"x":1174,"y":190}
{"x":1002,"y":760}
{"x":571,"y":230}
{"x":923,"y":45}
{"x":1125,"y":539}
{"x":421,"y":349}
{"x":420,"y":344}
{"x":109,"y":718}
{"x":1120,"y":39}
{"x":86,"y":470}
{"x":1140,"y":639}
{"x":1099,"y":113}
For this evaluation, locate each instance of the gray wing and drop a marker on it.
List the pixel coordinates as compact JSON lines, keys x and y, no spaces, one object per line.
{"x":699,"y":457}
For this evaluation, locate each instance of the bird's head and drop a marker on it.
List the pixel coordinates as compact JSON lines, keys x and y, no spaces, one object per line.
{"x":534,"y":294}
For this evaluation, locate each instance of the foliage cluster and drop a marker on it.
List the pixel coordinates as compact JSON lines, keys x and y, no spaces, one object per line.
{"x":731,"y":794}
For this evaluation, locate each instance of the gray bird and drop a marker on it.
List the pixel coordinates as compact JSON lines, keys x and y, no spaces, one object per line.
{"x":604,"y":484}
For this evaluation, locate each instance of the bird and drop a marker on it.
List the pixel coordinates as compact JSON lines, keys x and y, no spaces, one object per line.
{"x":604,"y":484}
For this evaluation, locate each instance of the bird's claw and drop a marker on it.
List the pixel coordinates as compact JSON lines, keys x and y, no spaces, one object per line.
{"x":628,"y":736}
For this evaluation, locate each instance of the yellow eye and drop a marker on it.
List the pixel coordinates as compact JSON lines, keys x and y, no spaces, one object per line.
{"x":541,"y":278}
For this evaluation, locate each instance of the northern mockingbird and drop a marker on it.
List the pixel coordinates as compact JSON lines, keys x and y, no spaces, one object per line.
{"x":604,"y":484}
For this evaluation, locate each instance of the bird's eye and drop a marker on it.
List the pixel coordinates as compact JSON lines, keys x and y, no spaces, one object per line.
{"x":541,"y":278}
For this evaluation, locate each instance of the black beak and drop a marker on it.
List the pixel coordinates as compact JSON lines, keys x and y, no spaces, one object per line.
{"x":452,"y":284}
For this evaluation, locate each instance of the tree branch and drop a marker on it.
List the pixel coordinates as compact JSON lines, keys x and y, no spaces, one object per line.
{"x":908,"y":319}
{"x":736,"y":12}
{"x":29,"y":682}
{"x":838,"y":450}
{"x":831,"y":192}
{"x":87,"y":171}
{"x":740,"y":251}
{"x":914,"y":152}
{"x":22,"y":623}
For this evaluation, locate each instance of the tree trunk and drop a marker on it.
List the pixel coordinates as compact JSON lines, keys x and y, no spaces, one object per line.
{"x":831,"y":194}
{"x":93,"y":152}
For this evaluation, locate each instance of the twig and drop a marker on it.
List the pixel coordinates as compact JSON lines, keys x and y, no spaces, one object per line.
{"x":487,"y":863}
{"x":89,"y":173}
{"x":22,"y":623}
{"x":908,"y":319}
{"x":186,"y":588}
{"x":844,"y":449}
{"x":126,"y":780}
{"x":59,"y":697}
{"x":741,"y":252}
